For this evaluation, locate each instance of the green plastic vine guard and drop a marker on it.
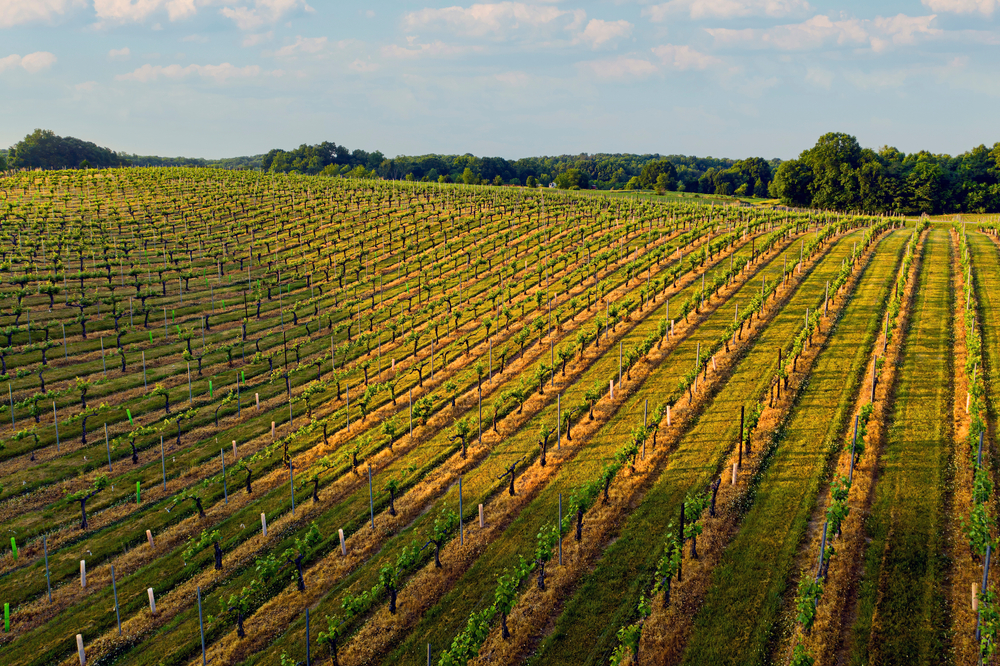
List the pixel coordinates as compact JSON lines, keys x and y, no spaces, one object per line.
{"x":13,"y":546}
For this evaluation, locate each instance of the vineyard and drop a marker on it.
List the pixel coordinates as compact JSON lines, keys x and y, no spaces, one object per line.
{"x":258,"y":419}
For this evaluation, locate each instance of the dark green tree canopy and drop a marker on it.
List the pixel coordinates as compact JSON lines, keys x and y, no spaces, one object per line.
{"x":652,"y":170}
{"x":42,"y":149}
{"x":838,"y":174}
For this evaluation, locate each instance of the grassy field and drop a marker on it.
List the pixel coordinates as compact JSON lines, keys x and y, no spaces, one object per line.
{"x":901,"y":616}
{"x":342,"y":344}
{"x":739,"y":615}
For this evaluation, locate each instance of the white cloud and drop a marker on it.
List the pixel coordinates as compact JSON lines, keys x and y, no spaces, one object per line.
{"x":263,"y":12}
{"x":249,"y":16}
{"x":119,"y":54}
{"x":515,"y":79}
{"x":437,"y":49}
{"x":600,"y":32}
{"x":984,"y":7}
{"x":360,"y":65}
{"x":302,"y":45}
{"x":683,"y":57}
{"x":878,"y":33}
{"x":621,"y":67}
{"x":31,"y":63}
{"x":86,"y":86}
{"x":16,"y":12}
{"x":254,"y":40}
{"x":218,"y":73}
{"x":494,"y":19}
{"x":726,"y":9}
{"x":9,"y":62}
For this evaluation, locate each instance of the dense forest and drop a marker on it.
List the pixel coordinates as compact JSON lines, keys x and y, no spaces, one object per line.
{"x":600,"y":171}
{"x":838,"y":174}
{"x":42,"y":149}
{"x":835,"y":174}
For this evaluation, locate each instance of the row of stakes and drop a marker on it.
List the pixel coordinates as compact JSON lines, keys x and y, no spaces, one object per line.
{"x":263,"y":524}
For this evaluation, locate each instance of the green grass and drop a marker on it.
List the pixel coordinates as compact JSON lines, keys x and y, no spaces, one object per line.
{"x":448,"y":616}
{"x":902,"y":609}
{"x":740,"y":610}
{"x":606,"y":599}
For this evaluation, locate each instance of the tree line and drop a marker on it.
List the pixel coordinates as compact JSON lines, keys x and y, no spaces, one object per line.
{"x":835,"y":174}
{"x":838,"y":174}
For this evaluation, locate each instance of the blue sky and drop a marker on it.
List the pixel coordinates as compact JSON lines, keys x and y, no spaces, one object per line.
{"x":218,"y":78}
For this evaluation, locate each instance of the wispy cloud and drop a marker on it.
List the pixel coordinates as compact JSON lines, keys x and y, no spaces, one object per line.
{"x":32,"y":63}
{"x":599,"y":32}
{"x":879,"y":33}
{"x":217,"y":73}
{"x":16,"y":12}
{"x":620,"y":68}
{"x":263,"y":12}
{"x":726,"y":9}
{"x":683,"y":57}
{"x":985,"y":7}
{"x":302,"y":45}
{"x":436,"y":49}
{"x":119,"y":54}
{"x":260,"y":38}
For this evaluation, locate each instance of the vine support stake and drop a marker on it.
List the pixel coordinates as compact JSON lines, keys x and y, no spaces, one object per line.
{"x":55,"y":420}
{"x":225,"y":490}
{"x":79,"y":650}
{"x":854,"y":441}
{"x":343,"y":544}
{"x":371,"y":497}
{"x":461,"y":515}
{"x":291,"y":484}
{"x":45,"y":550}
{"x":163,"y":464}
{"x":107,"y":446}
{"x":560,"y":529}
{"x":558,"y":422}
{"x":114,"y":588}
{"x":201,"y":625}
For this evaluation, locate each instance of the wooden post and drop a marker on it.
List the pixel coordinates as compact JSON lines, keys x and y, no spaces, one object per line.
{"x":482,"y":521}
{"x":735,"y":471}
{"x":45,"y":549}
{"x":234,"y":449}
{"x":79,"y":650}
{"x":83,"y":574}
{"x":371,"y":496}
{"x":149,"y":538}
{"x":272,"y":431}
{"x":560,"y":529}
{"x":343,"y":544}
{"x":256,"y":397}
{"x":611,"y":389}
{"x":201,"y":625}
{"x":152,"y":601}
{"x":263,"y":524}
{"x":163,"y":464}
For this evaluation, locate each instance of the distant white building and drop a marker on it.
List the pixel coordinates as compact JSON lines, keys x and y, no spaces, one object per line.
{"x":552,"y":184}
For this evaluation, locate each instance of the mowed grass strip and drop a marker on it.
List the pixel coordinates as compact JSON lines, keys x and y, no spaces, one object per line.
{"x":986,"y":259}
{"x":901,"y":617}
{"x":585,"y":633}
{"x":440,"y":624}
{"x":739,"y":613}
